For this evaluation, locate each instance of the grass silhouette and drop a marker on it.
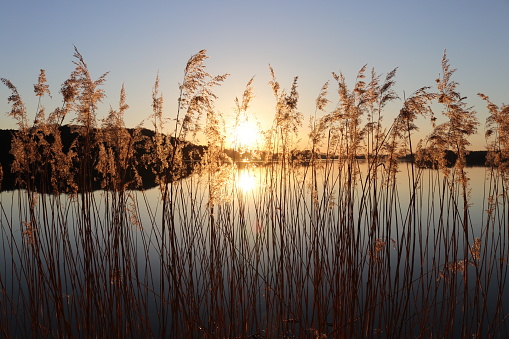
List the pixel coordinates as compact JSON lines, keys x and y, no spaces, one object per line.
{"x":343,"y":241}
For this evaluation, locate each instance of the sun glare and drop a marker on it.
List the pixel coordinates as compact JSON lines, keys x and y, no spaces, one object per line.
{"x":246,"y":181}
{"x":246,"y":135}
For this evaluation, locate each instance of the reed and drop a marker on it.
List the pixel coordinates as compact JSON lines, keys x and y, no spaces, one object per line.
{"x":346,"y":240}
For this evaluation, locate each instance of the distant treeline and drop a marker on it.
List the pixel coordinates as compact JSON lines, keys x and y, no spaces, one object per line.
{"x":144,"y":169}
{"x":71,"y":137}
{"x":473,"y":158}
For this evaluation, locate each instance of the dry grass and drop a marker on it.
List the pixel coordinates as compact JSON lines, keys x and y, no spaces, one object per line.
{"x":352,"y":244}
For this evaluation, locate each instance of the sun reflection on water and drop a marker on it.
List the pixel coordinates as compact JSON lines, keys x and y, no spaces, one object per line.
{"x":246,"y":181}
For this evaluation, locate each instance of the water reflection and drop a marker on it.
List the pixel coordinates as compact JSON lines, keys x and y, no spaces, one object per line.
{"x":270,"y":235}
{"x":246,"y":180}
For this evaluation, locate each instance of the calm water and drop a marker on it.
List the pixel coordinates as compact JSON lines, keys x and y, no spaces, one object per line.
{"x":260,"y":250}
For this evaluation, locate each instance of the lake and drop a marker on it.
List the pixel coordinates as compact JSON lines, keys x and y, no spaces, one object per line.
{"x":333,"y":249}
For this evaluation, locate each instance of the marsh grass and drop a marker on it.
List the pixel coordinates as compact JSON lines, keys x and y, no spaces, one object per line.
{"x":351,"y":243}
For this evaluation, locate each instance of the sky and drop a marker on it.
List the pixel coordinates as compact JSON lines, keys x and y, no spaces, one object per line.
{"x":137,"y":40}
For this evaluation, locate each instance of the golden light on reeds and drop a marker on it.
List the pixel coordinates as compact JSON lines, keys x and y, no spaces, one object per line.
{"x":303,"y":243}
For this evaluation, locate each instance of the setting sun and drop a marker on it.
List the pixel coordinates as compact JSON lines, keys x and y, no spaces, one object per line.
{"x":242,"y":169}
{"x":246,"y":135}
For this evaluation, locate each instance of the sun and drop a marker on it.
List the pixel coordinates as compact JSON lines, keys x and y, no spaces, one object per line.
{"x":246,"y":135}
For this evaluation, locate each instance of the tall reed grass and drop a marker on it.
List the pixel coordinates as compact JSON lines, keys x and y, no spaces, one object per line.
{"x":347,"y":242}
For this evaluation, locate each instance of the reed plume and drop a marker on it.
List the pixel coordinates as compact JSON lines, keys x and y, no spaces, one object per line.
{"x":342,"y":240}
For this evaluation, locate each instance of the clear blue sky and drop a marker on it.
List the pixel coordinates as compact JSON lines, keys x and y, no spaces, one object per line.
{"x":134,"y":40}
